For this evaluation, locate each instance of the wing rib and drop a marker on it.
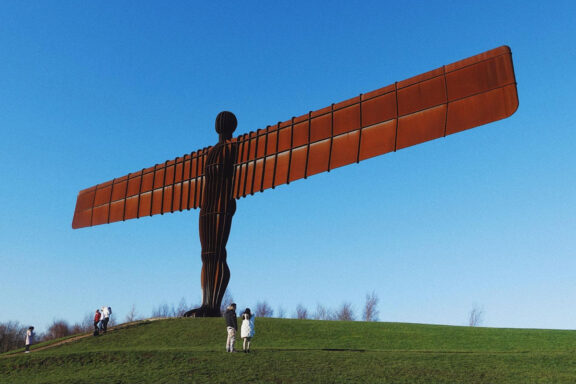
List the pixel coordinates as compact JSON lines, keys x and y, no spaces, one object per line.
{"x":450,"y":99}
{"x":173,"y":185}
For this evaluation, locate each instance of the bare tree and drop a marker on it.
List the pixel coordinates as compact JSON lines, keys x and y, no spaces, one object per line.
{"x":88,"y":321}
{"x":263,"y":309}
{"x":58,"y":329}
{"x":226,"y":300}
{"x":163,"y":310}
{"x":85,"y":325}
{"x":370,"y":307}
{"x":301,"y":312}
{"x":132,"y":315}
{"x":182,"y":308}
{"x":345,"y":312}
{"x":77,"y":328}
{"x":12,"y":336}
{"x":281,"y":313}
{"x":322,"y":313}
{"x":476,"y":316}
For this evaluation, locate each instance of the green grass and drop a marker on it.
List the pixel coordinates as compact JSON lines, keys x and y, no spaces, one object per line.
{"x":303,"y":351}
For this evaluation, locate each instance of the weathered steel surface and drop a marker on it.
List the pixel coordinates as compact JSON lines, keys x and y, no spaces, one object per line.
{"x":216,"y":212}
{"x":459,"y":96}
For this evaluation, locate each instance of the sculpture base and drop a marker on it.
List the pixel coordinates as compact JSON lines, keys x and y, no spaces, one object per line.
{"x":203,"y":312}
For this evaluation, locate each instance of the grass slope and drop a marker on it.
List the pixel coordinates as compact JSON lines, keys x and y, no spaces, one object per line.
{"x":302,"y":351}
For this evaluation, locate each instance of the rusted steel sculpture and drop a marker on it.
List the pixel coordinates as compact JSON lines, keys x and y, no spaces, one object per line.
{"x":216,"y":211}
{"x":459,"y":96}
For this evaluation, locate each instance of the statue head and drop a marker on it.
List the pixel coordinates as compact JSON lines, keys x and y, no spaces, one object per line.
{"x":226,"y":124}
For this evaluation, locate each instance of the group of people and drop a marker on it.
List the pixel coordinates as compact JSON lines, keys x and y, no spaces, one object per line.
{"x":101,"y":319}
{"x":246,"y":329}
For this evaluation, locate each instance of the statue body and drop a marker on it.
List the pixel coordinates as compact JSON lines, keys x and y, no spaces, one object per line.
{"x":216,"y":212}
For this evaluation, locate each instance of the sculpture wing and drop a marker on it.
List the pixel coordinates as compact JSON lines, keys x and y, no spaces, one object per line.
{"x":459,"y":96}
{"x":171,"y":186}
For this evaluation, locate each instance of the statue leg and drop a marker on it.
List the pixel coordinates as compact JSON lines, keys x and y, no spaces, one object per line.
{"x":215,"y":275}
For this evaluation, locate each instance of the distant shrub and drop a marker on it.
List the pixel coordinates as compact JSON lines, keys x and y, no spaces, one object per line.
{"x":58,"y":329}
{"x":226,"y":301}
{"x":301,"y":312}
{"x":132,"y":315}
{"x":281,"y":313}
{"x":345,"y":313}
{"x":12,"y":336}
{"x":323,"y":313}
{"x":371,"y":307}
{"x":263,"y":309}
{"x":476,"y":316}
{"x":163,"y":310}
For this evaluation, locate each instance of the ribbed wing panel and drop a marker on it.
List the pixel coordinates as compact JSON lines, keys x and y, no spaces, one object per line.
{"x":174,"y":185}
{"x":459,"y":96}
{"x":471,"y":92}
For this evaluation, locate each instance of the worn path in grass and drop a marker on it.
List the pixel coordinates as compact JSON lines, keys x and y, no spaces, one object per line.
{"x":69,"y":339}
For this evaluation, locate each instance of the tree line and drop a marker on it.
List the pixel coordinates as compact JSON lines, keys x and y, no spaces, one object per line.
{"x":344,"y":312}
{"x":13,"y":333}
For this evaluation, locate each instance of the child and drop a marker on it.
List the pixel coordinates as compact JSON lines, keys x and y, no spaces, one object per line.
{"x":247,"y":330}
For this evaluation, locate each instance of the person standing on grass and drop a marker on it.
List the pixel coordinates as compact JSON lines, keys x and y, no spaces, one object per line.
{"x":29,"y":339}
{"x":106,"y":312}
{"x":97,"y":317}
{"x":247,"y":329}
{"x":231,"y":326}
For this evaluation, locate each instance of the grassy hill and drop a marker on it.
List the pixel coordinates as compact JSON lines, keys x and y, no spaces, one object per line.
{"x":302,"y":351}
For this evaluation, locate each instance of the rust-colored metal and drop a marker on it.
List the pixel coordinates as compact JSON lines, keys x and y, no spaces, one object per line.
{"x":217,"y":209}
{"x":459,"y":96}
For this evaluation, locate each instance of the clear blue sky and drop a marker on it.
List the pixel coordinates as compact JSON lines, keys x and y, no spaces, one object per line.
{"x":90,"y":91}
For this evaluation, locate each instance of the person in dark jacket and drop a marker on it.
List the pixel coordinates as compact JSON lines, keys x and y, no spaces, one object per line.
{"x":231,"y":326}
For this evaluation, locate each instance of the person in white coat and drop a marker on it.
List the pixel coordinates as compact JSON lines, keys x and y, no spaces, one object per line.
{"x":29,"y":339}
{"x":247,"y":329}
{"x":106,"y":312}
